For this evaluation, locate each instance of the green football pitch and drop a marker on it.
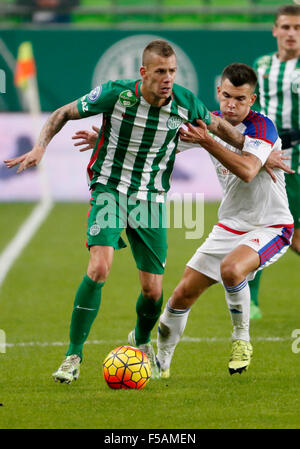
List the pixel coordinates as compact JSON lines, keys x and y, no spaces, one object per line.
{"x":36,"y":300}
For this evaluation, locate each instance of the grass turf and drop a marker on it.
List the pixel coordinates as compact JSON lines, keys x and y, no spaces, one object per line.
{"x":35,"y":306}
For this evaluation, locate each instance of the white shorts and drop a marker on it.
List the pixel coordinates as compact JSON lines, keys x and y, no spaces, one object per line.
{"x":269,"y":243}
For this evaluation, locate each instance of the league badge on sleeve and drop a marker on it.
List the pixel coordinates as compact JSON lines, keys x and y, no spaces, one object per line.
{"x":94,"y":94}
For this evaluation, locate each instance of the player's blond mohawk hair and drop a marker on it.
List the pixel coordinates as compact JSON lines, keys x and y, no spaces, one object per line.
{"x":158,"y":47}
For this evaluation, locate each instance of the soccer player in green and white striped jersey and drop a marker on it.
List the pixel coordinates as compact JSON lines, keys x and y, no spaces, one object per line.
{"x":133,"y":159}
{"x":135,"y":148}
{"x":278,"y":97}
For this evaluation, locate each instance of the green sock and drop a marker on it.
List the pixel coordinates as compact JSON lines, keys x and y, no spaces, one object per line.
{"x":86,"y":306}
{"x":148,"y":313}
{"x":254,"y":287}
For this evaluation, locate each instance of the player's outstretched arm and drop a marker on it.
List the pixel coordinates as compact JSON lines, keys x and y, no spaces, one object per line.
{"x":226,"y":131}
{"x":52,"y":126}
{"x":245,"y":165}
{"x":88,"y":138}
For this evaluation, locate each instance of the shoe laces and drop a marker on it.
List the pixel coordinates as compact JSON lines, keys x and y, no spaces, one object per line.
{"x":69,"y":362}
{"x":239,"y":350}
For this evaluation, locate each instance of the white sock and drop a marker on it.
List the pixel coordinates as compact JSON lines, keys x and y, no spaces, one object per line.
{"x":238,"y":300}
{"x":171,"y":326}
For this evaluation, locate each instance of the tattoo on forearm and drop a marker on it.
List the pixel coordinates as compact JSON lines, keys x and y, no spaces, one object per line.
{"x":56,"y":121}
{"x":226,"y":132}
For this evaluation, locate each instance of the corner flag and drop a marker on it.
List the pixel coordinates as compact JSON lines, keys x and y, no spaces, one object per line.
{"x":25,"y":79}
{"x":25,"y":67}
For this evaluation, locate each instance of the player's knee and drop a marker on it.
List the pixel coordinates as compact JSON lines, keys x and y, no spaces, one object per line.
{"x":230,"y":272}
{"x":295,"y":246}
{"x":152,"y":292}
{"x":98,"y":271}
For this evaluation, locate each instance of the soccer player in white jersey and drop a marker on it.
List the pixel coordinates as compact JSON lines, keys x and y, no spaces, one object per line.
{"x":132,"y":161}
{"x":255,"y":225}
{"x":279,"y":98}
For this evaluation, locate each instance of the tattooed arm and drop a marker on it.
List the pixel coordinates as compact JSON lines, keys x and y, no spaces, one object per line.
{"x":52,"y":126}
{"x":226,"y":132}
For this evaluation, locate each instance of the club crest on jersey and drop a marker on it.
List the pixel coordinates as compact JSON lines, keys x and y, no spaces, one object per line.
{"x":174,"y":122}
{"x":295,"y":81}
{"x":127,"y":98}
{"x":94,"y":94}
{"x":95,"y":229}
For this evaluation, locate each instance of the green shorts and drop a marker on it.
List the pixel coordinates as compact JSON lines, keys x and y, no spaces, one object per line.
{"x":293,"y":192}
{"x":145,"y":222}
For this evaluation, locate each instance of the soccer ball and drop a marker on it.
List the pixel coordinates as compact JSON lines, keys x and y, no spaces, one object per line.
{"x":126,"y":367}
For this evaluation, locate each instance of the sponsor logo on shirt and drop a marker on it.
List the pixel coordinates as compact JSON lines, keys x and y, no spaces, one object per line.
{"x":174,"y":122}
{"x":254,"y":143}
{"x":222,"y":170}
{"x":94,"y":94}
{"x":255,"y":241}
{"x":84,"y":105}
{"x":127,"y":98}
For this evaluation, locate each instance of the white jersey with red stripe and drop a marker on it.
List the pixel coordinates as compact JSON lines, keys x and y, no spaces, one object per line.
{"x":261,"y":202}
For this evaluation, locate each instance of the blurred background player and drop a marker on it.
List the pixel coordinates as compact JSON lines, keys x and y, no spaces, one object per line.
{"x":255,"y":224}
{"x":134,"y":155}
{"x":279,"y":98}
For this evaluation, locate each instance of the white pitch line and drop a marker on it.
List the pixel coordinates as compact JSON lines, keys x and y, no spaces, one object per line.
{"x":119,"y":342}
{"x":23,"y":236}
{"x":40,"y":212}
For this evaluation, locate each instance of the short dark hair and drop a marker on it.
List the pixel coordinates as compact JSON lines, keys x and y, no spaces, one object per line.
{"x":287,"y":10}
{"x":160,"y":48}
{"x":239,"y":74}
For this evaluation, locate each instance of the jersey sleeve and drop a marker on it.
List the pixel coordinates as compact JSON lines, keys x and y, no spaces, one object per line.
{"x":260,"y":136}
{"x":101,"y":99}
{"x":200,"y":111}
{"x":258,"y":148}
{"x":259,"y":126}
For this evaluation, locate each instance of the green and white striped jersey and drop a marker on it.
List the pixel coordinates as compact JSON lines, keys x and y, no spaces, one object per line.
{"x":279,"y":96}
{"x":136,"y":146}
